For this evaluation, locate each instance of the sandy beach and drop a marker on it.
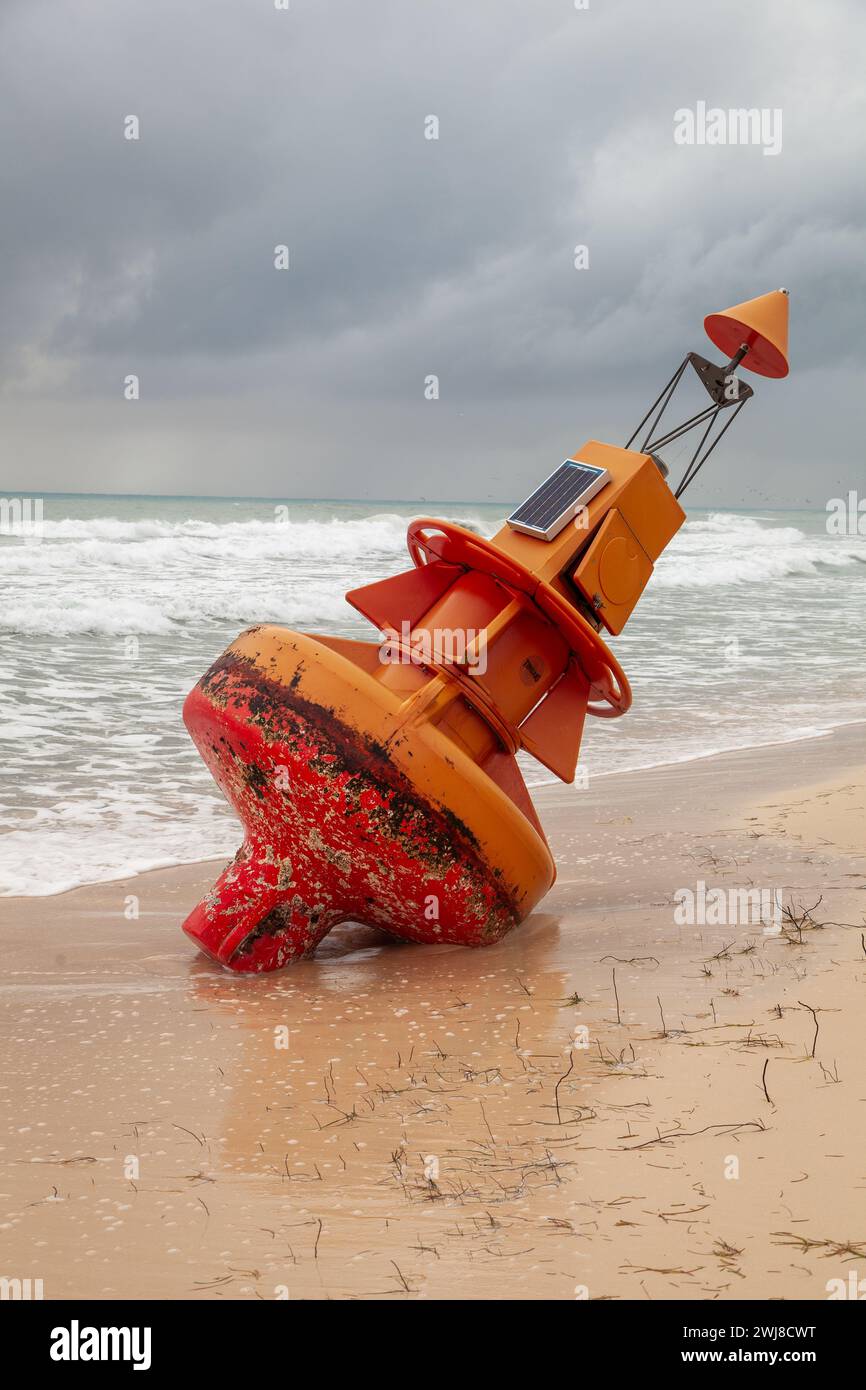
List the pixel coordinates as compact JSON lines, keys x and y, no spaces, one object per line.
{"x":612,"y":1103}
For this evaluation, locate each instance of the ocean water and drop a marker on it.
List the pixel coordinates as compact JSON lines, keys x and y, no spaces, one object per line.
{"x":750,"y":632}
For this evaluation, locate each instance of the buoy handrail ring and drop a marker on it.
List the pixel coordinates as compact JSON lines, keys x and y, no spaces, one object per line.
{"x":457,"y":546}
{"x":485,"y":556}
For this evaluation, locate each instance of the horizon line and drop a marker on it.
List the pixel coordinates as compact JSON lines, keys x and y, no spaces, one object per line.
{"x":364,"y":501}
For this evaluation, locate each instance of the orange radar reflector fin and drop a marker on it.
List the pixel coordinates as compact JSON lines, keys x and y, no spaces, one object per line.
{"x":553,"y":730}
{"x":404,"y":597}
{"x":363,"y":654}
{"x":501,"y":767}
{"x":761,"y":325}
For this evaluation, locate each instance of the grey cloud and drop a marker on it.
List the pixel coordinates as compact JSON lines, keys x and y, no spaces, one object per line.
{"x":412,"y":257}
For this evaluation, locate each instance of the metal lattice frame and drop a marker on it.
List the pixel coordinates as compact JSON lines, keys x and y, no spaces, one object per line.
{"x":716,"y":380}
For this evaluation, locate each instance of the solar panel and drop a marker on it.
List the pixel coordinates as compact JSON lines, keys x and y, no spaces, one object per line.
{"x":556,"y":502}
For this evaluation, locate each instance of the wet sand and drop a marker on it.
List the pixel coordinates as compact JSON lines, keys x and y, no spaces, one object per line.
{"x":399,"y":1122}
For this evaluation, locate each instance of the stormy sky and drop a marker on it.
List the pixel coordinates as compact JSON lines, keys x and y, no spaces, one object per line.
{"x":412,"y":257}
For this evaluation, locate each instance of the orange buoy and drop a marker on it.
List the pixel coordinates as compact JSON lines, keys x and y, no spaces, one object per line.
{"x":377,"y":781}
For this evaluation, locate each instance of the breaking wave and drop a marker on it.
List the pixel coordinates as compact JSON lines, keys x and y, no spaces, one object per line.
{"x":100,"y":778}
